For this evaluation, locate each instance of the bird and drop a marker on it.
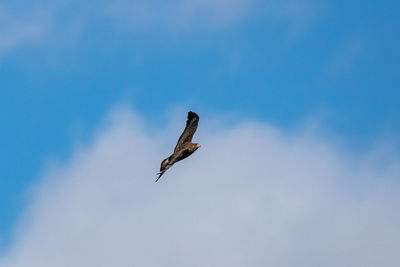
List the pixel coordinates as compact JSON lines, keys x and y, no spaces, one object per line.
{"x":184,"y":148}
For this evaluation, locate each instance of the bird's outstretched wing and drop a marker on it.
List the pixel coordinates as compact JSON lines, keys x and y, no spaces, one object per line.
{"x":190,"y":129}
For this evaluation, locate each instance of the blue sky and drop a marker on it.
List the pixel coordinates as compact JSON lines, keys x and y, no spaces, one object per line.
{"x":65,"y":65}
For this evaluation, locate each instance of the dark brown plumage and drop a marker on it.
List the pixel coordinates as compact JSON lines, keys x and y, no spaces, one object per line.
{"x":184,"y":148}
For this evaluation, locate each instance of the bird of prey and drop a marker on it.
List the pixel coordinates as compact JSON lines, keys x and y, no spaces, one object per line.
{"x":184,"y":148}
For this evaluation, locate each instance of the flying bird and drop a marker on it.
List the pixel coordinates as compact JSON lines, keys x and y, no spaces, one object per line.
{"x":184,"y":148}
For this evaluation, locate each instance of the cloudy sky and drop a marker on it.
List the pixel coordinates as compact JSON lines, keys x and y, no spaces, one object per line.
{"x":298,"y":103}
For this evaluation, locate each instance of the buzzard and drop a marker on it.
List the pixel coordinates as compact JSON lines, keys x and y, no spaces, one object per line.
{"x":184,"y":148}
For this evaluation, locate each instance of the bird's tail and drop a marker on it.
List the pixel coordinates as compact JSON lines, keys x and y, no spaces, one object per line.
{"x":159,"y":175}
{"x":164,"y":167}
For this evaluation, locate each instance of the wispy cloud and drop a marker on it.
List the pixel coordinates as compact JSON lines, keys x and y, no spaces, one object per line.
{"x":20,"y":28}
{"x":250,"y":196}
{"x":298,"y":15}
{"x":346,"y":56}
{"x":178,"y":15}
{"x":194,"y":15}
{"x":59,"y":21}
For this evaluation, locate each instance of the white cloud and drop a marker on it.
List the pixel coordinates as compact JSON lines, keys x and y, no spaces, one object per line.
{"x":250,"y":196}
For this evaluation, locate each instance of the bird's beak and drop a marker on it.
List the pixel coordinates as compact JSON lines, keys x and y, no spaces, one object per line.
{"x":198,"y":145}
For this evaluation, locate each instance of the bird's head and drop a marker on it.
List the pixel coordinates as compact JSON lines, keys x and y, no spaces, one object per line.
{"x":196,"y":146}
